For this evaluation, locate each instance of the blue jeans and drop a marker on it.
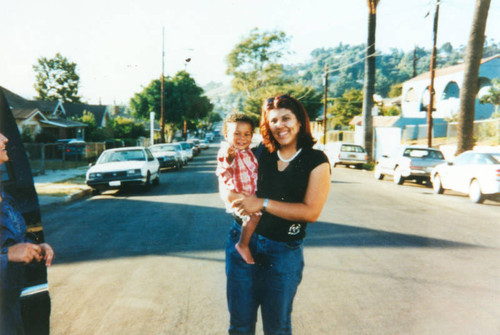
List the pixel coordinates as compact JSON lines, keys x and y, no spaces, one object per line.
{"x":270,"y":283}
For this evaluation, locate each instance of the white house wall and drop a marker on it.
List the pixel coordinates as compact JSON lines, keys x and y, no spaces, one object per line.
{"x":446,"y":108}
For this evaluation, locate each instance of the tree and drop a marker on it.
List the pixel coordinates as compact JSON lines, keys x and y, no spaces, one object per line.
{"x":184,"y":101}
{"x":465,"y":131}
{"x":347,"y":107}
{"x":254,"y":61}
{"x":369,"y":86}
{"x":56,"y":79}
{"x":254,"y":64}
{"x":493,"y":96}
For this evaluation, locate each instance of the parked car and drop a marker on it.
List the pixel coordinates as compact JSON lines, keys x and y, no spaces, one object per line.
{"x":16,"y":179}
{"x":204,"y":144}
{"x":72,"y":148}
{"x":195,"y":145}
{"x":188,"y":149}
{"x":346,"y":154}
{"x":177,"y":147}
{"x":209,"y":136}
{"x":474,"y":173}
{"x":410,"y":163}
{"x":121,"y":167}
{"x":167,"y":157}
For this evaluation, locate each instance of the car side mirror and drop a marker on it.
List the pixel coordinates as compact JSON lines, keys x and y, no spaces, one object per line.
{"x":91,"y":164}
{"x":385,"y":156}
{"x":450,"y":163}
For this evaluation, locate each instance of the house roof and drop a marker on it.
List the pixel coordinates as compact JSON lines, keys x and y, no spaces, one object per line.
{"x":21,"y":106}
{"x":76,"y":110}
{"x":25,"y":113}
{"x":378,"y":121}
{"x":449,"y":70}
{"x":63,"y":123}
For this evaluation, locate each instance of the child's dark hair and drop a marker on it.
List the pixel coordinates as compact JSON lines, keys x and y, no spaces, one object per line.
{"x":238,"y":117}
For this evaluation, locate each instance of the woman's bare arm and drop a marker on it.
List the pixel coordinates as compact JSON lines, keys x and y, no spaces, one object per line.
{"x":306,"y":211}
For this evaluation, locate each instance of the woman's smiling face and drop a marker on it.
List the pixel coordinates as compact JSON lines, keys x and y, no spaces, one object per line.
{"x":284,"y":126}
{"x":3,"y":149}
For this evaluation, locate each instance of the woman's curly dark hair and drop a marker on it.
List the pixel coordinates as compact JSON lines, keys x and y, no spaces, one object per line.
{"x":304,"y":137}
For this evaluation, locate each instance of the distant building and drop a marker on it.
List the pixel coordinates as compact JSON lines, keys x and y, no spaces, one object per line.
{"x":447,"y":84}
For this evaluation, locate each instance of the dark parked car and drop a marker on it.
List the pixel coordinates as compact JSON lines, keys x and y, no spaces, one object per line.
{"x":17,"y":180}
{"x":72,"y":149}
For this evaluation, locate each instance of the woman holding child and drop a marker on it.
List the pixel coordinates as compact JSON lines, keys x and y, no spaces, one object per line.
{"x":292,"y":186}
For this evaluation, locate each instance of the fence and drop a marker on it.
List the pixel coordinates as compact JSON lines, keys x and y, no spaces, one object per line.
{"x":54,"y":156}
{"x":487,"y":132}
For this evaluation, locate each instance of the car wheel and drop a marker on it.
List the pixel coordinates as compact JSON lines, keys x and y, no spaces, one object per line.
{"x":156,"y":181}
{"x":437,"y":186}
{"x":475,"y":194}
{"x":377,"y":174}
{"x":147,"y":185}
{"x":359,"y":166}
{"x":398,"y":178}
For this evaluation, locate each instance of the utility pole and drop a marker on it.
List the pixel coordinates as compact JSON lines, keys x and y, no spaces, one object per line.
{"x":324,"y":105}
{"x":414,"y":62}
{"x":162,"y":107}
{"x":430,"y":107}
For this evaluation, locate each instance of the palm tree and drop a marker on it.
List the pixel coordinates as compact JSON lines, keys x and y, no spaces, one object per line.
{"x":369,"y":85}
{"x":469,"y":89}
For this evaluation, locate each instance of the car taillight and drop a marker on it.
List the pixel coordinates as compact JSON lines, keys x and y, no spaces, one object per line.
{"x":498,"y":173}
{"x":68,"y":150}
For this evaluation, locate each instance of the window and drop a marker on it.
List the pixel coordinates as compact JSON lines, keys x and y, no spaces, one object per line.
{"x":411,"y":95}
{"x":451,"y":91}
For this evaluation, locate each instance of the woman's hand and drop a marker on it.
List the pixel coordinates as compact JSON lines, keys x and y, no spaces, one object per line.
{"x":248,"y":205}
{"x":48,"y":253}
{"x":29,"y":252}
{"x":25,"y":253}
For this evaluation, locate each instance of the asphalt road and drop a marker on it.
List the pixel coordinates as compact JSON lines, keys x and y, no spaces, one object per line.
{"x":382,"y":259}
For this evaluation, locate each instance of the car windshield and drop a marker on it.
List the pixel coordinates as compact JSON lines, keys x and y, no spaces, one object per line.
{"x":122,"y":156}
{"x":185,"y":146}
{"x":423,"y":153}
{"x":158,"y":148}
{"x":351,"y":148}
{"x":496,"y":157}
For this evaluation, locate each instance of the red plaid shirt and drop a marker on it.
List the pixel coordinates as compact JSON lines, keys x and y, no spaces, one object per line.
{"x":241,"y":175}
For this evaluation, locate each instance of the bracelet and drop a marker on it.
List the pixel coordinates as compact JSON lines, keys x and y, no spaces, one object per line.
{"x":264,"y":204}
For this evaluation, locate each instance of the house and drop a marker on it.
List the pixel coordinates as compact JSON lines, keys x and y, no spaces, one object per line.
{"x":54,"y":117}
{"x":447,"y":84}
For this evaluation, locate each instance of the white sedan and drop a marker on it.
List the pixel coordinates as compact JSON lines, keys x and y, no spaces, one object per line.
{"x":474,"y":173}
{"x":120,"y":167}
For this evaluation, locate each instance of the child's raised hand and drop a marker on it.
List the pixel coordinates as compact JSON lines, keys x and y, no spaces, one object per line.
{"x":230,"y":154}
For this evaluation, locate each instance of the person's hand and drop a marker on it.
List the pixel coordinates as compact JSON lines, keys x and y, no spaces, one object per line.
{"x":25,"y":253}
{"x":248,"y":205}
{"x":48,"y":253}
{"x":230,"y":154}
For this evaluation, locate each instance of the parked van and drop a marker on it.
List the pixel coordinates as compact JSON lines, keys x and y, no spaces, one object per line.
{"x":17,"y":180}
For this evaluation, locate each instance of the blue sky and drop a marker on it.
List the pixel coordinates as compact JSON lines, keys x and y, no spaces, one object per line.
{"x":117,"y":44}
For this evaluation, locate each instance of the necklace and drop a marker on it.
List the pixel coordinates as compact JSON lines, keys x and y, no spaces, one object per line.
{"x":289,"y":159}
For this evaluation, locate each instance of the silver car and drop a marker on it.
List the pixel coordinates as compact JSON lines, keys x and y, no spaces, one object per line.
{"x":410,"y":163}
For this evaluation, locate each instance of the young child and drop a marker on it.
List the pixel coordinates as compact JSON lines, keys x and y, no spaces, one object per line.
{"x":237,"y":173}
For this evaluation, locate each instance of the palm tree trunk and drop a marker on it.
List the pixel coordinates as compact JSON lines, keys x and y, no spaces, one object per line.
{"x":369,"y":85}
{"x":465,"y":131}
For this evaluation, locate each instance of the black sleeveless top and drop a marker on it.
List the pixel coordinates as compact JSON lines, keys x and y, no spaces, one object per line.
{"x":289,"y":185}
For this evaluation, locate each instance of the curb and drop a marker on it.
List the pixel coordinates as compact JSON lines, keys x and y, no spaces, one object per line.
{"x":67,"y":199}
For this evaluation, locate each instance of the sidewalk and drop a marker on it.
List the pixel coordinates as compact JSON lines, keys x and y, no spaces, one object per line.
{"x":61,"y":186}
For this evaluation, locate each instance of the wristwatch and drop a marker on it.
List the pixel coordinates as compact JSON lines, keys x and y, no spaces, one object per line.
{"x":264,"y":204}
